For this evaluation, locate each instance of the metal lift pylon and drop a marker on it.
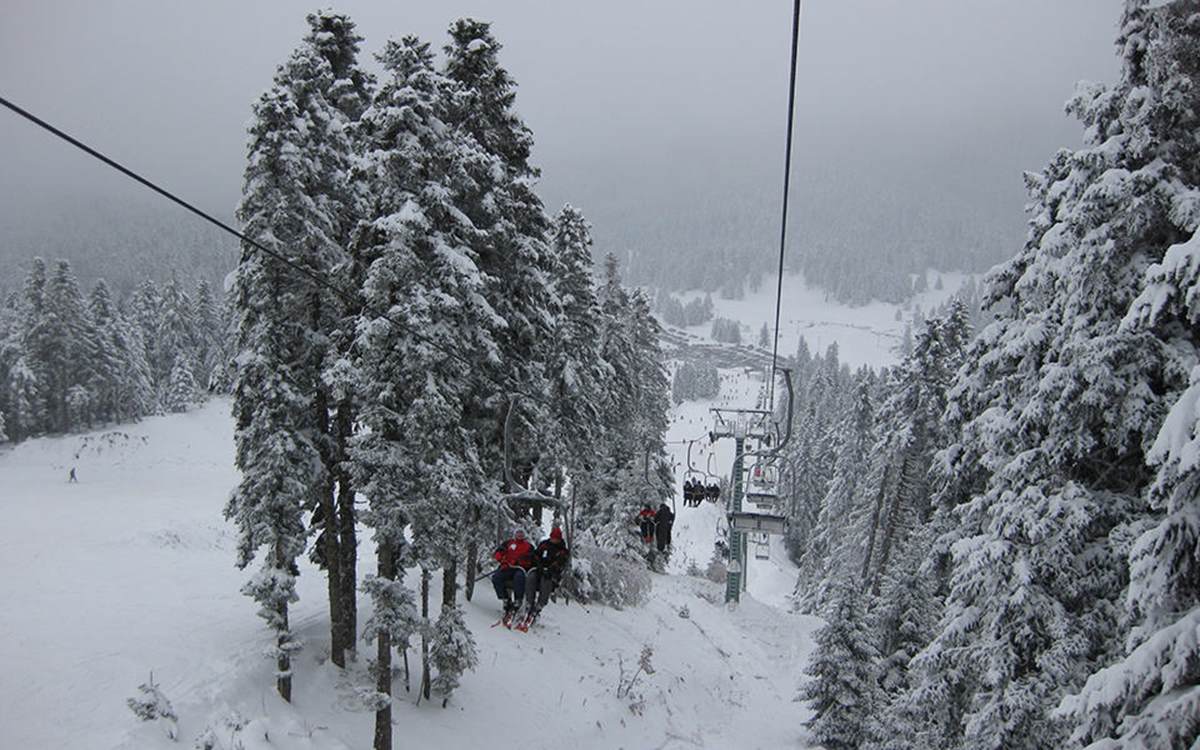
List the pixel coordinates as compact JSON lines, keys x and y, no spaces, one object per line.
{"x":743,"y":425}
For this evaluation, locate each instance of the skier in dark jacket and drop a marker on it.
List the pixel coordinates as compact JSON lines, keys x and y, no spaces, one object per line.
{"x":662,"y":526}
{"x":549,"y":562}
{"x":515,"y":557}
{"x":646,"y":523}
{"x":713,"y":493}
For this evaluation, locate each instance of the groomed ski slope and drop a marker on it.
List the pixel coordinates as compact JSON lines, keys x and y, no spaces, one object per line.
{"x":131,"y":570}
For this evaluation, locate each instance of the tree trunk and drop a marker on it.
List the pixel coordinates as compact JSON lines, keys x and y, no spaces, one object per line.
{"x":449,"y":584}
{"x":327,"y":449}
{"x":425,"y":676}
{"x":331,"y":549}
{"x":472,"y":566}
{"x":383,"y":657}
{"x":879,"y":498}
{"x":347,"y":536}
{"x":407,"y":672}
{"x":283,"y":663}
{"x":907,"y":500}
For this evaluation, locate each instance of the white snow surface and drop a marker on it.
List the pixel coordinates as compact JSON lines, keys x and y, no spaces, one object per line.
{"x":131,"y":570}
{"x":865,"y":334}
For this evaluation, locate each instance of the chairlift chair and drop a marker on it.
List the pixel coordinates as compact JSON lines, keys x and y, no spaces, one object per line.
{"x":762,"y":546}
{"x":766,"y":523}
{"x":693,"y":474}
{"x":762,"y":486}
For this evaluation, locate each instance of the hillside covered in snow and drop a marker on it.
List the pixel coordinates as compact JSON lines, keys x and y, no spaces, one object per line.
{"x":130,"y":571}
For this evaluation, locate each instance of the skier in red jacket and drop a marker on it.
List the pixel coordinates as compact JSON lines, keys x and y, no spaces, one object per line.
{"x":515,"y":557}
{"x":646,"y":522}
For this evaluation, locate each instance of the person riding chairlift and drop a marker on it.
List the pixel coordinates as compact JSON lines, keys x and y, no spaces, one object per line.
{"x":516,"y":558}
{"x":713,"y":492}
{"x":646,"y":523}
{"x":549,"y":562}
{"x":690,"y":494}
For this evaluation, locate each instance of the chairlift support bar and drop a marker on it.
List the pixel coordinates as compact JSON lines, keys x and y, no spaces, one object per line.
{"x":515,"y":494}
{"x":708,"y":472}
{"x":691,"y":469}
{"x":787,"y":436}
{"x":740,"y":423}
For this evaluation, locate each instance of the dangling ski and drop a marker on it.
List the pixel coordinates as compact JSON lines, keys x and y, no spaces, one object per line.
{"x":526,"y":622}
{"x":506,"y":619}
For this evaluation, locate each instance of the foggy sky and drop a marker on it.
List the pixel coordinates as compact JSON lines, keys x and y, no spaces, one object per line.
{"x":634,"y":106}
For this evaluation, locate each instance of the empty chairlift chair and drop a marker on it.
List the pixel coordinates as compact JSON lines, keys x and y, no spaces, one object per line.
{"x":762,"y":486}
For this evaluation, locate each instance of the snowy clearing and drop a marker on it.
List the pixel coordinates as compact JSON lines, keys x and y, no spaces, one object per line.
{"x":865,"y":334}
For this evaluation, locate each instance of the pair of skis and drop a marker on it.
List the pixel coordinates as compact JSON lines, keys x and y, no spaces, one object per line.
{"x":512,"y":621}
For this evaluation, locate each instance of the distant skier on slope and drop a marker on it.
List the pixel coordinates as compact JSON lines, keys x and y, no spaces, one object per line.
{"x":646,"y":523}
{"x":515,"y":557}
{"x":549,"y":562}
{"x":663,"y":520}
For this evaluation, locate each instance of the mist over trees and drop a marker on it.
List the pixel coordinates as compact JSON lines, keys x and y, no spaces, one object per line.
{"x":856,"y":239}
{"x":123,"y":240}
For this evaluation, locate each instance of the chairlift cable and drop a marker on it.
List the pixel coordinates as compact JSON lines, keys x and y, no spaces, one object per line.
{"x":787,"y":176}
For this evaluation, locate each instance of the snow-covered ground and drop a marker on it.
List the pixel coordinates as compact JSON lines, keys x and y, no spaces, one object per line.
{"x":131,"y":570}
{"x":865,"y":334}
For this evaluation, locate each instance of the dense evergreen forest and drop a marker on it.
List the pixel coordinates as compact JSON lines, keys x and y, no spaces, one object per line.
{"x":70,"y":362}
{"x":1019,"y":566}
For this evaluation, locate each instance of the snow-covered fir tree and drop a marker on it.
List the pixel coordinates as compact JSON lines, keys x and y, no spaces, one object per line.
{"x":821,"y":387}
{"x":452,"y":652}
{"x":726,"y":331}
{"x":631,"y":447}
{"x":1150,"y":697}
{"x":334,"y":91}
{"x":1054,"y":413}
{"x":909,"y":431}
{"x":298,"y":152}
{"x":842,"y":692}
{"x":209,"y":338}
{"x":298,"y":202}
{"x":63,"y":348}
{"x":579,"y":375}
{"x":425,"y":319}
{"x":181,"y":391}
{"x":832,"y":554}
{"x":694,"y":380}
{"x":511,"y":250}
{"x":176,"y":334}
